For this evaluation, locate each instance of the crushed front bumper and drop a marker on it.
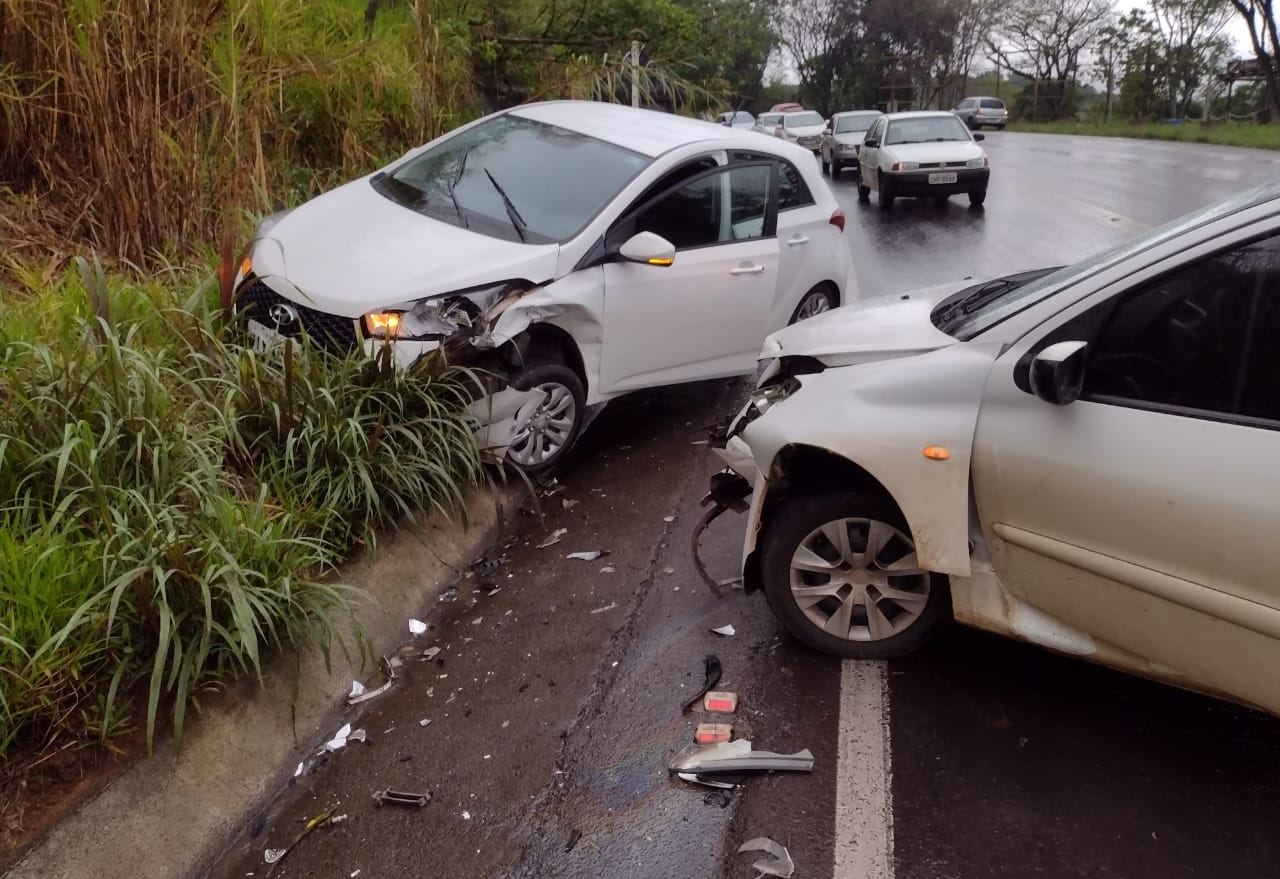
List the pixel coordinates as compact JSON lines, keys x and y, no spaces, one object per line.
{"x":730,"y":489}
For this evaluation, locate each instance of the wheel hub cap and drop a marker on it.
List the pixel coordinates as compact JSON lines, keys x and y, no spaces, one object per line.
{"x":542,"y":433}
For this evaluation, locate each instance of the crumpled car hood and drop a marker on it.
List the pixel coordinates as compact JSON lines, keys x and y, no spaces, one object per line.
{"x":350,"y":251}
{"x":876,"y":330}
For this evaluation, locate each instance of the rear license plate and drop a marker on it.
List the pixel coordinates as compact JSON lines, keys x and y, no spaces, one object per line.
{"x":263,"y":338}
{"x":945,"y":177}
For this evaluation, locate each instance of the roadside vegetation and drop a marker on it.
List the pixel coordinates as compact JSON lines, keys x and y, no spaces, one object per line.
{"x":1266,"y":137}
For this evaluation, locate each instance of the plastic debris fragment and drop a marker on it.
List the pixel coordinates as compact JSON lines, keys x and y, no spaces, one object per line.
{"x":357,"y":689}
{"x":272,"y":855}
{"x":725,"y":630}
{"x":605,"y":608}
{"x":417,"y":627}
{"x":389,"y":797}
{"x":712,"y":733}
{"x":720,"y":702}
{"x":738,"y":757}
{"x":426,"y":721}
{"x":339,"y":740}
{"x":586,"y":556}
{"x":608,"y":569}
{"x":780,"y":863}
{"x":430,"y":653}
{"x":554,"y":538}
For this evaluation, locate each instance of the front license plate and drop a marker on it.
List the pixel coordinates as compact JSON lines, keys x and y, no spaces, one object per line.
{"x":263,"y":338}
{"x":945,"y":177}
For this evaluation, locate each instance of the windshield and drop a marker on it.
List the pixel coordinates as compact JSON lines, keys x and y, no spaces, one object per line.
{"x":992,"y":104}
{"x":801,"y":120}
{"x":1001,"y":307}
{"x":847,"y":124}
{"x":515,"y":179}
{"x":926,"y":129}
{"x":743,"y":116}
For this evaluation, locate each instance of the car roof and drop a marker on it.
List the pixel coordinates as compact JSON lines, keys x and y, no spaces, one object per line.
{"x":856,"y":113}
{"x":648,"y":132}
{"x":920,"y":114}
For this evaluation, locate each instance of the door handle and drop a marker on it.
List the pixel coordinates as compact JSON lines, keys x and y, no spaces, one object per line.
{"x":798,"y":239}
{"x":748,"y":270}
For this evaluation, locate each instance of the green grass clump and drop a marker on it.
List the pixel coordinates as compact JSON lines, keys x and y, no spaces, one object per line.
{"x":172,"y":504}
{"x":1240,"y":134}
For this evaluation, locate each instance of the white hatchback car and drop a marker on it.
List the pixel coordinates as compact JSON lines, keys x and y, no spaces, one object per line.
{"x":578,"y":250}
{"x":927,"y":154}
{"x":803,"y":128}
{"x":1082,"y":458}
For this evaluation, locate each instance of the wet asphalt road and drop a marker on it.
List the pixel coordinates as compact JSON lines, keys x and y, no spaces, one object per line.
{"x":555,"y":701}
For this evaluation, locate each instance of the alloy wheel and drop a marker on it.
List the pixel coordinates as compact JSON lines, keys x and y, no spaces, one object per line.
{"x":543,"y":431}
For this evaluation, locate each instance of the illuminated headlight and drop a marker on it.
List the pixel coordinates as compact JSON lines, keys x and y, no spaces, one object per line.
{"x":906,"y":166}
{"x":978,"y":163}
{"x":435,"y":317}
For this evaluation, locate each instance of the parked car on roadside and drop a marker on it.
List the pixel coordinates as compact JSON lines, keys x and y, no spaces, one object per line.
{"x":926,"y":154}
{"x":738,"y":119}
{"x":842,"y":138}
{"x":977,"y":112}
{"x":787,"y":107}
{"x":767,"y":123}
{"x":1081,"y":458}
{"x":803,"y":128}
{"x":578,"y":250}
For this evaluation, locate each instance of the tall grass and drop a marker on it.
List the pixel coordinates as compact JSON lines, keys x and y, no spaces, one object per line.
{"x":1241,"y":134}
{"x":172,"y":504}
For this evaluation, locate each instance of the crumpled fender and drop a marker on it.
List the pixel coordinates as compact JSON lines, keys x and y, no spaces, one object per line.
{"x":881,"y":416}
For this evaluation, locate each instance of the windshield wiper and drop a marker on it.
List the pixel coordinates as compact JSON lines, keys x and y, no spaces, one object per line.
{"x":453,"y":182}
{"x":983,"y":295}
{"x":514,"y":215}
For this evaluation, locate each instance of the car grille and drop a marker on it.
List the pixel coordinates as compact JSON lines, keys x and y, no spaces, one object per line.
{"x":332,"y":332}
{"x":809,"y":141}
{"x":924,"y":165}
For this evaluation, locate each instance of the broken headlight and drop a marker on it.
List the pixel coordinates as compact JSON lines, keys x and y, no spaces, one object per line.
{"x":764,"y":399}
{"x":436,"y":316}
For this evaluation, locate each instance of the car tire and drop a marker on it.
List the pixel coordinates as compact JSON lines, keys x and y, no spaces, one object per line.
{"x":918,"y":607}
{"x":815,"y":302}
{"x":826,"y":166}
{"x":887,"y":197}
{"x":864,"y":192}
{"x":978,"y":197}
{"x":554,"y":426}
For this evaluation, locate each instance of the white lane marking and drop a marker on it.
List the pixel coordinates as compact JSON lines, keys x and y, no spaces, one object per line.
{"x":864,"y":798}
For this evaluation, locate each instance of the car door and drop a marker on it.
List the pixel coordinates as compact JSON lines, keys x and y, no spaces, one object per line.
{"x":869,"y":155}
{"x":807,"y":244}
{"x":705,"y":315}
{"x":1144,"y":515}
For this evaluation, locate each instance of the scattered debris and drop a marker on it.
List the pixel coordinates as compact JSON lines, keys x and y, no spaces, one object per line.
{"x":395,"y":662}
{"x":568,"y":504}
{"x":712,"y":733}
{"x":720,"y":702}
{"x":426,"y":721}
{"x":574,"y":836}
{"x":477,"y":621}
{"x":358,"y":736}
{"x":725,"y":630}
{"x":301,"y":768}
{"x":608,"y":569}
{"x":491,"y":590}
{"x":336,"y":819}
{"x":487,"y":565}
{"x":738,"y":757}
{"x":273,"y":856}
{"x":357,"y":689}
{"x":358,"y":692}
{"x":554,"y":538}
{"x":417,"y":627}
{"x":390,"y":797}
{"x":720,"y":798}
{"x":668,"y":519}
{"x":606,"y":607}
{"x":587,"y":556}
{"x":466,"y":816}
{"x":712,"y":670}
{"x":430,"y":653}
{"x":339,"y":740}
{"x":668,"y":571}
{"x":780,"y":864}
{"x":723,"y":783}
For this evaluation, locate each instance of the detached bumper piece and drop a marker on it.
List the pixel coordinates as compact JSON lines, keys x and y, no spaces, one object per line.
{"x":915,"y":184}
{"x":736,"y":758}
{"x":728,"y":491}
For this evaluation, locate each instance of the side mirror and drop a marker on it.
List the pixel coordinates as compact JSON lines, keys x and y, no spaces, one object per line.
{"x":648,"y":248}
{"x":1057,"y":372}
{"x":870,"y":143}
{"x":979,"y":136}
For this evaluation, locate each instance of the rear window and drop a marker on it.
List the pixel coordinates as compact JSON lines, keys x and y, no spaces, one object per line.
{"x":800,"y":120}
{"x":992,"y":104}
{"x":854,"y":123}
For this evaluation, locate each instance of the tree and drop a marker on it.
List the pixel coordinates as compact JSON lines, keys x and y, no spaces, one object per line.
{"x":1109,"y":54}
{"x":1048,"y":37}
{"x":1191,"y":32}
{"x":1260,"y":16}
{"x":973,"y":21}
{"x":823,"y":40}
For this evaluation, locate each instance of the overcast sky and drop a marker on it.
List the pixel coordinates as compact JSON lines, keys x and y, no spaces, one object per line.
{"x":1237,"y":30}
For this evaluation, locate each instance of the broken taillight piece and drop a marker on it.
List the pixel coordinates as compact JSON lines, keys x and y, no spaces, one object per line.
{"x":837,"y":219}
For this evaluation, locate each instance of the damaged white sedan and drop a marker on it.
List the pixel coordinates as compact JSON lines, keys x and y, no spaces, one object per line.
{"x":1081,"y":458}
{"x":577,"y":250}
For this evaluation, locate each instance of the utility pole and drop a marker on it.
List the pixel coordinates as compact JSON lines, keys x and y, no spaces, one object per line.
{"x":635,"y":73}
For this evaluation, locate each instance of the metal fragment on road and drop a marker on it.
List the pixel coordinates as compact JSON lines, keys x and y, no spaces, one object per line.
{"x":417,"y":627}
{"x":389,"y":797}
{"x":738,"y":757}
{"x":554,"y":538}
{"x":587,"y":556}
{"x":780,"y":865}
{"x":725,"y":630}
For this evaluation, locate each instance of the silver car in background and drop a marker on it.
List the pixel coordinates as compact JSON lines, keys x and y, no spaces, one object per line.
{"x":803,"y":128}
{"x":842,"y":137}
{"x":977,"y":112}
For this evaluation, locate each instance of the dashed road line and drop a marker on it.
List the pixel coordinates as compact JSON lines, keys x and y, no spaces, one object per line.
{"x":864,"y":796}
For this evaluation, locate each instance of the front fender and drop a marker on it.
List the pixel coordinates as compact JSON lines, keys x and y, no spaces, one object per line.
{"x":881,"y":417}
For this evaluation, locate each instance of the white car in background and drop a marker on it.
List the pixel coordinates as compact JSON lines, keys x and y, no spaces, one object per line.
{"x":578,"y":250}
{"x":803,"y":128}
{"x":928,"y":154}
{"x":1081,"y":458}
{"x":767,"y":123}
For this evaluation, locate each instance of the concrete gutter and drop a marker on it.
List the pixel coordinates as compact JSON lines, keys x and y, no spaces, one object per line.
{"x":175,"y":813}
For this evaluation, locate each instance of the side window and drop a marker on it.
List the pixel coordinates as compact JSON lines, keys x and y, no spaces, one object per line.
{"x":1198,"y":338}
{"x":792,"y":190}
{"x":727,"y":206}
